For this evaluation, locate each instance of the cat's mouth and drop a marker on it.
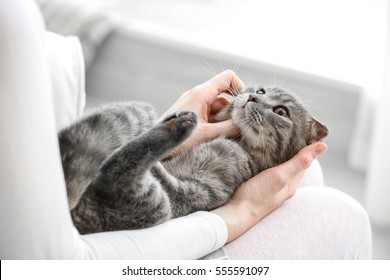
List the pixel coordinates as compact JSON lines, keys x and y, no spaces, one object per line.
{"x":253,"y":115}
{"x":249,"y":119}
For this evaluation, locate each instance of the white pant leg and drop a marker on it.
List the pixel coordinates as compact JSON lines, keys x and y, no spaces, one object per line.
{"x":313,"y":176}
{"x":317,"y":223}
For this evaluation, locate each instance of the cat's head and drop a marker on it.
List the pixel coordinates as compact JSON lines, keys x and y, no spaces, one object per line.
{"x":274,"y":123}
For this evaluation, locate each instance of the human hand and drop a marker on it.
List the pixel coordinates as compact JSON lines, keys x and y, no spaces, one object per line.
{"x":266,"y":191}
{"x":203,"y":101}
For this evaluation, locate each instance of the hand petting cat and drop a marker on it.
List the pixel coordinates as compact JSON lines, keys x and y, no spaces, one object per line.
{"x":203,"y":100}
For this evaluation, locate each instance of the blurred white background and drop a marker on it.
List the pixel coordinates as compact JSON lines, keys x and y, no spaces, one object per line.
{"x":332,"y":53}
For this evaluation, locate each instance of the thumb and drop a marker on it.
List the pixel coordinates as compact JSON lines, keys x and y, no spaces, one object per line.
{"x":303,"y":159}
{"x":226,"y":128}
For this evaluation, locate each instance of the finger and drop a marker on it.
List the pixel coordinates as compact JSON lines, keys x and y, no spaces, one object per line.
{"x":227,"y":81}
{"x":225,"y":128}
{"x":303,"y":159}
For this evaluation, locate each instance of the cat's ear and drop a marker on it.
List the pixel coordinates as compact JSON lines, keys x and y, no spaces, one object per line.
{"x":318,"y":131}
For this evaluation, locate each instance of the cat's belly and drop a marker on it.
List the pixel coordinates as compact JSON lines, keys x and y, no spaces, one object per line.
{"x":221,"y":164}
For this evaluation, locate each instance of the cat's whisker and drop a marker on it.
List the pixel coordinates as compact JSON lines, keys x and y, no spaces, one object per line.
{"x":242,"y":133}
{"x":231,"y":88}
{"x":272,"y":78}
{"x":260,"y":83}
{"x":309,"y":104}
{"x":222,"y":67}
{"x":250,"y":81}
{"x":259,"y":118}
{"x":234,"y":92}
{"x":236,"y":67}
{"x":209,"y":68}
{"x":282,"y":81}
{"x":246,"y":131}
{"x":241,"y":137}
{"x":279,"y":79}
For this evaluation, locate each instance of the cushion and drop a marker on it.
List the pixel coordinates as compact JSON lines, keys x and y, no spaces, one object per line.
{"x":66,"y":66}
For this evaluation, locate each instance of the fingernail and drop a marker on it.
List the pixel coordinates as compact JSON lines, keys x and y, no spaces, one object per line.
{"x":320,"y":148}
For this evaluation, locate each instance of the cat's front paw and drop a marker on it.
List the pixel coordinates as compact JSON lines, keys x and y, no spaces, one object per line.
{"x":181,"y":123}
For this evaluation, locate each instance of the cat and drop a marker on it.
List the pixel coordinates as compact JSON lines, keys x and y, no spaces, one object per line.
{"x":118,"y":175}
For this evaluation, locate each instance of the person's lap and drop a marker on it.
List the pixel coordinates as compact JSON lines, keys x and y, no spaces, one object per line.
{"x":316,"y":223}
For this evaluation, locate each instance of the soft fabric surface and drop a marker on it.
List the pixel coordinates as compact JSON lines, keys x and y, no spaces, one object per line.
{"x":90,"y":25}
{"x":66,"y":67}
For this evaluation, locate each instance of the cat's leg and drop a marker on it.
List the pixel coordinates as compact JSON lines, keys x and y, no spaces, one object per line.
{"x":85,"y":144}
{"x":134,"y":158}
{"x":127,"y":195}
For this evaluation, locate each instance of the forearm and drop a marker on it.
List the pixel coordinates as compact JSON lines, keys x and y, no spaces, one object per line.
{"x":239,"y":218}
{"x":189,"y":237}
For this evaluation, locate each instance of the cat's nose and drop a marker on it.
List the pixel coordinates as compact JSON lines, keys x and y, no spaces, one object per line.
{"x":252,"y":98}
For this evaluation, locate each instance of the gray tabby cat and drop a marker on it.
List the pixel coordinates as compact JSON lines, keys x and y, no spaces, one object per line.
{"x":117,"y":178}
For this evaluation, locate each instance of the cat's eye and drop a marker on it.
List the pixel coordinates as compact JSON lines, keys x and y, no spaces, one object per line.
{"x":281,"y":111}
{"x":260,"y":91}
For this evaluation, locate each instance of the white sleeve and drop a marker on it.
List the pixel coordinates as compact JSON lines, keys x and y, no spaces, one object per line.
{"x":34,"y":215}
{"x":190,"y":237}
